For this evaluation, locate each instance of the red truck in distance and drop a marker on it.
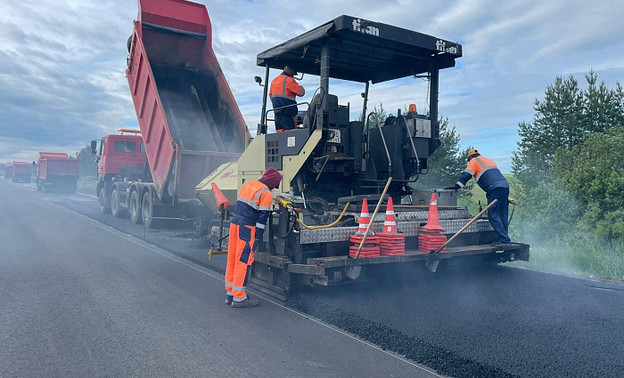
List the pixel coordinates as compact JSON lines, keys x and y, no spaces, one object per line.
{"x":56,"y":171}
{"x":21,"y":171}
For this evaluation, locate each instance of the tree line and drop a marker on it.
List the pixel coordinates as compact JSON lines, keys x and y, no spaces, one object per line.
{"x":570,"y":161}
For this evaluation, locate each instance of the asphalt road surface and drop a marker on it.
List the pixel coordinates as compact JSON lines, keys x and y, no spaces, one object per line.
{"x":493,"y":321}
{"x":79,"y":298}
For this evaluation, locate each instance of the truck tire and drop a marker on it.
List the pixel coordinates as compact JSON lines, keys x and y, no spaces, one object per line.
{"x":135,"y":208}
{"x":115,"y":204}
{"x":104,"y":205}
{"x":147,"y":211}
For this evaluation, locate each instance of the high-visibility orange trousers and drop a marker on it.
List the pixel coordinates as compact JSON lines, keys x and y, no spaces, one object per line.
{"x":239,"y":259}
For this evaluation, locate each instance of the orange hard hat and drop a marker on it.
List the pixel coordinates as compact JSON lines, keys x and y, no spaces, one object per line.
{"x":472,"y":153}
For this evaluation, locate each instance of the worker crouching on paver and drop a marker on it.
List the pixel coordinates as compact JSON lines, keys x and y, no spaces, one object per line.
{"x":492,"y":181}
{"x":246,"y":231}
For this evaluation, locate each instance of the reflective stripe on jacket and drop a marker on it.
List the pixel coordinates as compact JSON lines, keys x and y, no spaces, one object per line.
{"x":253,"y":206}
{"x":283,"y":91}
{"x":485,"y":172}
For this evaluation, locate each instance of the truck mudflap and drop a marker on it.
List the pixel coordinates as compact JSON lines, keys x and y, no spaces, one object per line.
{"x":331,"y":270}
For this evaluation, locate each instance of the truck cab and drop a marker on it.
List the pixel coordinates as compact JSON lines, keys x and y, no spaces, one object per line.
{"x":121,"y":157}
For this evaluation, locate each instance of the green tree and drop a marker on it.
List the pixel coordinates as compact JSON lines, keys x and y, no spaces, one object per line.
{"x":558,"y":123}
{"x":569,"y":162}
{"x":594,"y":173}
{"x":88,"y":166}
{"x":377,"y":116}
{"x":603,"y":107}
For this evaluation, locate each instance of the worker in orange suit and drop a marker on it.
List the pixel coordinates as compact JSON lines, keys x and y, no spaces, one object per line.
{"x":284,"y":90}
{"x":246,"y":231}
{"x":492,"y":181}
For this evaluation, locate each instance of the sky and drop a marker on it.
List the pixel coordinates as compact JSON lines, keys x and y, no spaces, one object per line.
{"x":62,"y":62}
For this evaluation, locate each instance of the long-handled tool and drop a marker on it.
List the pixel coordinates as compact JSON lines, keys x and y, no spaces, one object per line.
{"x":222,"y":205}
{"x":370,"y":224}
{"x":466,"y":226}
{"x":219,"y":250}
{"x":432,"y":263}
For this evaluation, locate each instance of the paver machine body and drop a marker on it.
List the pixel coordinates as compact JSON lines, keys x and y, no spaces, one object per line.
{"x":332,"y":160}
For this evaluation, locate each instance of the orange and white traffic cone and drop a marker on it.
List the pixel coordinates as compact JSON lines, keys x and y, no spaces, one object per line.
{"x":370,"y":247}
{"x":433,"y":219}
{"x":390,"y":220}
{"x":364,"y":220}
{"x":392,"y":242}
{"x":430,"y":237}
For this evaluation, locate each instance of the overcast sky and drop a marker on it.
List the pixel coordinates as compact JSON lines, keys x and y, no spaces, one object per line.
{"x":62,"y":63}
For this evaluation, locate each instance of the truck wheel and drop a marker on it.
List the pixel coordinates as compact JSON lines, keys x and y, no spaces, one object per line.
{"x":104,"y":205}
{"x":116,"y":209}
{"x":135,"y":208}
{"x":147,"y":210}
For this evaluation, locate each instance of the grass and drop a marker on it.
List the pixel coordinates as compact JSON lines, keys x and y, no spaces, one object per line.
{"x":579,"y":256}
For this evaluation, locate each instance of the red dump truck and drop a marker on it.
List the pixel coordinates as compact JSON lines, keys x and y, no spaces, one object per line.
{"x":21,"y":171}
{"x":56,"y":171}
{"x":189,"y":121}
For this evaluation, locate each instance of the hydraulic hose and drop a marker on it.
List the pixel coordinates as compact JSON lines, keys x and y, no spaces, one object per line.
{"x":327,"y":225}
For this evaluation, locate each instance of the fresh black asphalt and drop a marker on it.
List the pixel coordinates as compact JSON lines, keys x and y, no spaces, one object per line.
{"x":461,"y":321}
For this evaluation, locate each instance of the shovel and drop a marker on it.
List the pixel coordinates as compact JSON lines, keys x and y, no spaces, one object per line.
{"x":432,"y":263}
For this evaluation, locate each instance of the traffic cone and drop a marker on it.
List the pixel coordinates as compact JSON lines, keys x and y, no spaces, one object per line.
{"x":390,"y":220}
{"x":433,"y":219}
{"x":364,"y":220}
{"x":430,"y":237}
{"x":370,"y":247}
{"x":392,"y":243}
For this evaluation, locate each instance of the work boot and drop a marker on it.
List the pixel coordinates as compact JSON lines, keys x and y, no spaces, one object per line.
{"x":228,"y":299}
{"x":246,"y":303}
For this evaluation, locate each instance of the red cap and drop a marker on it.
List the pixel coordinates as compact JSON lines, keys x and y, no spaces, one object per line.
{"x":271,"y":178}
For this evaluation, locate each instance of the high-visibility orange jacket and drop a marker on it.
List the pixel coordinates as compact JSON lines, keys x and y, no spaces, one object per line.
{"x":253,"y":206}
{"x":283,"y":91}
{"x":485,"y":172}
